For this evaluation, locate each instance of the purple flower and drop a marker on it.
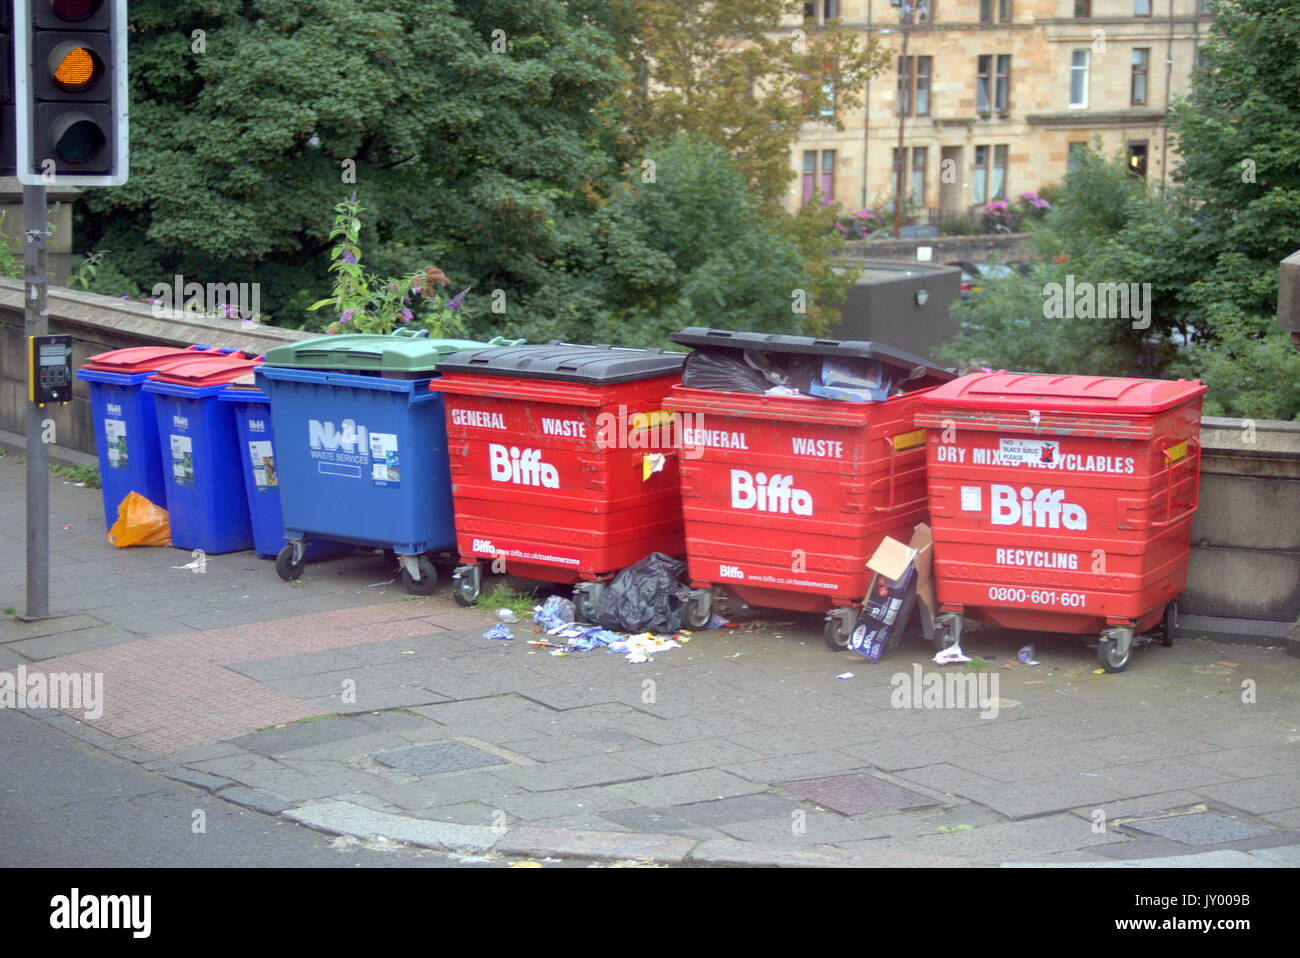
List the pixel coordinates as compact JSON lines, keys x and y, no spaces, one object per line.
{"x":457,"y":301}
{"x":407,"y":316}
{"x":126,"y":297}
{"x":347,"y":314}
{"x":347,"y":256}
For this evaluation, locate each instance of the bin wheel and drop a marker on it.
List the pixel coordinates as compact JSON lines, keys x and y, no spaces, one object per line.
{"x":835,"y":636}
{"x":947,"y":631}
{"x":428,"y":578}
{"x":285,"y":567}
{"x":582,"y":606}
{"x":1168,"y":623}
{"x":698,"y":610}
{"x":1110,"y":660}
{"x":467,"y":593}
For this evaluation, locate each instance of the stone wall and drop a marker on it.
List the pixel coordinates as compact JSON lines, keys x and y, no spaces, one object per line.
{"x":97,"y":324}
{"x":945,"y":249}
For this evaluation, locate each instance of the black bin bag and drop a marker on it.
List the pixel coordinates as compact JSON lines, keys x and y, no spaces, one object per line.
{"x":643,"y":597}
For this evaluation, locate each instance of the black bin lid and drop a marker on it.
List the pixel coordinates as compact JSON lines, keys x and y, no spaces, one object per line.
{"x":912,"y":367}
{"x":566,"y":362}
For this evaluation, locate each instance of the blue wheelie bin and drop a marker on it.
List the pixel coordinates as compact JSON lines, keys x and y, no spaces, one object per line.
{"x":126,"y":422}
{"x":206,"y":505}
{"x":363,"y":448}
{"x":252,"y":409}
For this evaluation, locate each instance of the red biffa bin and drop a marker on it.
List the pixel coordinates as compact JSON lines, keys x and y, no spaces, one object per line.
{"x":1062,"y":503}
{"x":786,"y":497}
{"x":563,"y":462}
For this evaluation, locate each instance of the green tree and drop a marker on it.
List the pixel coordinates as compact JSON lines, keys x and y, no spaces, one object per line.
{"x":730,"y":71}
{"x":471,"y":131}
{"x":1239,"y":183}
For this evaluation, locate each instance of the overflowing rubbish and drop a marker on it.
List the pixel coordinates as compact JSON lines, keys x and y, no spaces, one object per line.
{"x":950,"y":656}
{"x":140,"y":523}
{"x":499,"y":631}
{"x":555,"y":611}
{"x":507,"y":615}
{"x":643,"y":597}
{"x":1027,"y":656}
{"x":889,"y":600}
{"x":845,"y":675}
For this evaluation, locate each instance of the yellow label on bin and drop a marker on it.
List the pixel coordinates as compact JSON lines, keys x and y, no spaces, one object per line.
{"x":1176,"y":453}
{"x":650,"y":420}
{"x":909,"y":440}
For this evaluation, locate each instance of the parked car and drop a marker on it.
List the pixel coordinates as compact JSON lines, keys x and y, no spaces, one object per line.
{"x":906,"y":232}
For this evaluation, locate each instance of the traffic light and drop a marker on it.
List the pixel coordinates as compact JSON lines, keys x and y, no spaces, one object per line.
{"x":70,"y":92}
{"x":7,"y":147}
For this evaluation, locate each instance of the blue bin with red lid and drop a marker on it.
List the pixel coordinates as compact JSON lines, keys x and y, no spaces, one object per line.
{"x":203,"y":467}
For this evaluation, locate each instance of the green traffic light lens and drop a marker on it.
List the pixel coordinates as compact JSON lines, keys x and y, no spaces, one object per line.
{"x":79,"y":140}
{"x":75,"y":9}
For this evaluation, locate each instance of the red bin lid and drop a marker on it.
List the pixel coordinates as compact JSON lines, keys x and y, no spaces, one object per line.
{"x":139,"y":359}
{"x":206,"y":369}
{"x":1066,"y":394}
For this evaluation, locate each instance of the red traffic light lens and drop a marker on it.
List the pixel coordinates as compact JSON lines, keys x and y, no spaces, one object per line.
{"x":75,"y":67}
{"x":78,"y":139}
{"x":74,"y":9}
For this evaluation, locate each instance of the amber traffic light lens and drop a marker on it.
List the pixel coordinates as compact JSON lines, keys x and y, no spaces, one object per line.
{"x":75,"y":67}
{"x":74,"y":9}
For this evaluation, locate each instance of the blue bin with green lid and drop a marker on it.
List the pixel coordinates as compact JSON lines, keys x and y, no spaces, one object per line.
{"x":362,"y":447}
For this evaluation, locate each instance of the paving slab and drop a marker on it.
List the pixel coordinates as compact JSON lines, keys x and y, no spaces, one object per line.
{"x":1198,"y":828}
{"x":435,"y":759}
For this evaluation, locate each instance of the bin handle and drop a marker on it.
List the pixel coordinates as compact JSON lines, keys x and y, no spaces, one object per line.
{"x":408,"y":333}
{"x":893,"y":486}
{"x":1193,"y":445}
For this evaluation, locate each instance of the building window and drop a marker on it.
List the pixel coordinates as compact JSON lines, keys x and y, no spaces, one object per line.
{"x":982,"y":80}
{"x":1083,"y":8}
{"x":1137,"y":158}
{"x":918,"y":175}
{"x":1138,"y":84}
{"x":1141,"y":8}
{"x":913,"y":90}
{"x":828,"y":92}
{"x":925,"y":10}
{"x":987,"y":8}
{"x":915,"y":187}
{"x":821,"y":10}
{"x":1079,"y":79}
{"x":1075,"y":156}
{"x":1202,"y":8}
{"x":990,"y":179}
{"x":810,"y":182}
{"x":1002,"y":92}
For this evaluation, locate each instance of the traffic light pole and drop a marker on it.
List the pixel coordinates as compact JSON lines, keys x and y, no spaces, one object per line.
{"x":37,"y":319}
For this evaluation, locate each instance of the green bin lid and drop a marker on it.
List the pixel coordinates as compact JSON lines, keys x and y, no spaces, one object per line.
{"x":404,"y":351}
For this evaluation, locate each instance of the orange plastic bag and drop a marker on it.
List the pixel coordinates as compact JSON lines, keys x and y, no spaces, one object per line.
{"x":140,"y":523}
